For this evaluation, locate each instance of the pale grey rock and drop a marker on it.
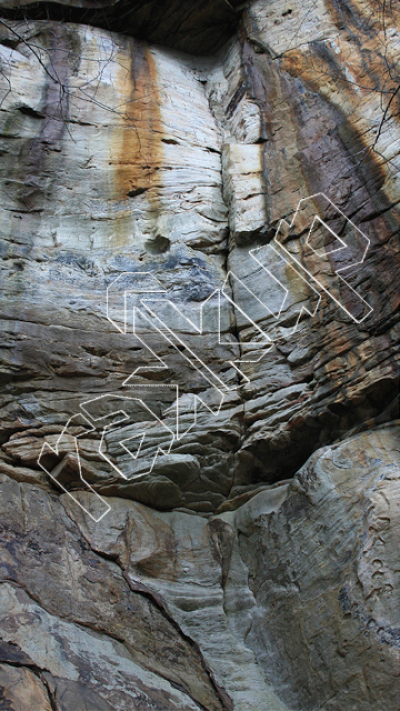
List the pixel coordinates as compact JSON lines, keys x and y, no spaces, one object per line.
{"x":185,"y":563}
{"x":216,"y":581}
{"x":283,"y":26}
{"x":150,"y":159}
{"x":244,"y":187}
{"x":74,"y":614}
{"x":104,"y":663}
{"x":297,"y":586}
{"x":323,"y":568}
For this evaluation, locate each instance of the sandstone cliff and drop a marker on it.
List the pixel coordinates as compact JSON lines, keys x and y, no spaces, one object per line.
{"x":154,"y":149}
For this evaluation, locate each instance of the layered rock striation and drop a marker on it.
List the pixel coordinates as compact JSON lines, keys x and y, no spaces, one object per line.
{"x":242,"y":182}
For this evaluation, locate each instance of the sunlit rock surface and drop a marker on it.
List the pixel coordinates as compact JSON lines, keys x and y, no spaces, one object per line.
{"x":220,"y":578}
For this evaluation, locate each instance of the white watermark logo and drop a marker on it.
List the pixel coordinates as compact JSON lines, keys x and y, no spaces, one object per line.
{"x":136,"y":427}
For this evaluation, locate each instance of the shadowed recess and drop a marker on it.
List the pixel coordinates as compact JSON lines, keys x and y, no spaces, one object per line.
{"x":195,"y":26}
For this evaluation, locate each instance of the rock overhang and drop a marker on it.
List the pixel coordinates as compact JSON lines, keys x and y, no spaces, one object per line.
{"x":194,"y":26}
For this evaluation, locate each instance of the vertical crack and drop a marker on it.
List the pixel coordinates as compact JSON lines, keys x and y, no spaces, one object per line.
{"x":156,"y":600}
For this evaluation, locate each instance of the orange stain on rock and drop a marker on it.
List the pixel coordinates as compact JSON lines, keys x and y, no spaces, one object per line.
{"x":137,"y":150}
{"x":141,"y":137}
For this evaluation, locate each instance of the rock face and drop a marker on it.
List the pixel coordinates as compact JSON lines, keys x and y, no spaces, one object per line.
{"x":200,"y":356}
{"x":323,"y":573}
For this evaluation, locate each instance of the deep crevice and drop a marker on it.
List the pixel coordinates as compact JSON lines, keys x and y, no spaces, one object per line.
{"x":29,"y":111}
